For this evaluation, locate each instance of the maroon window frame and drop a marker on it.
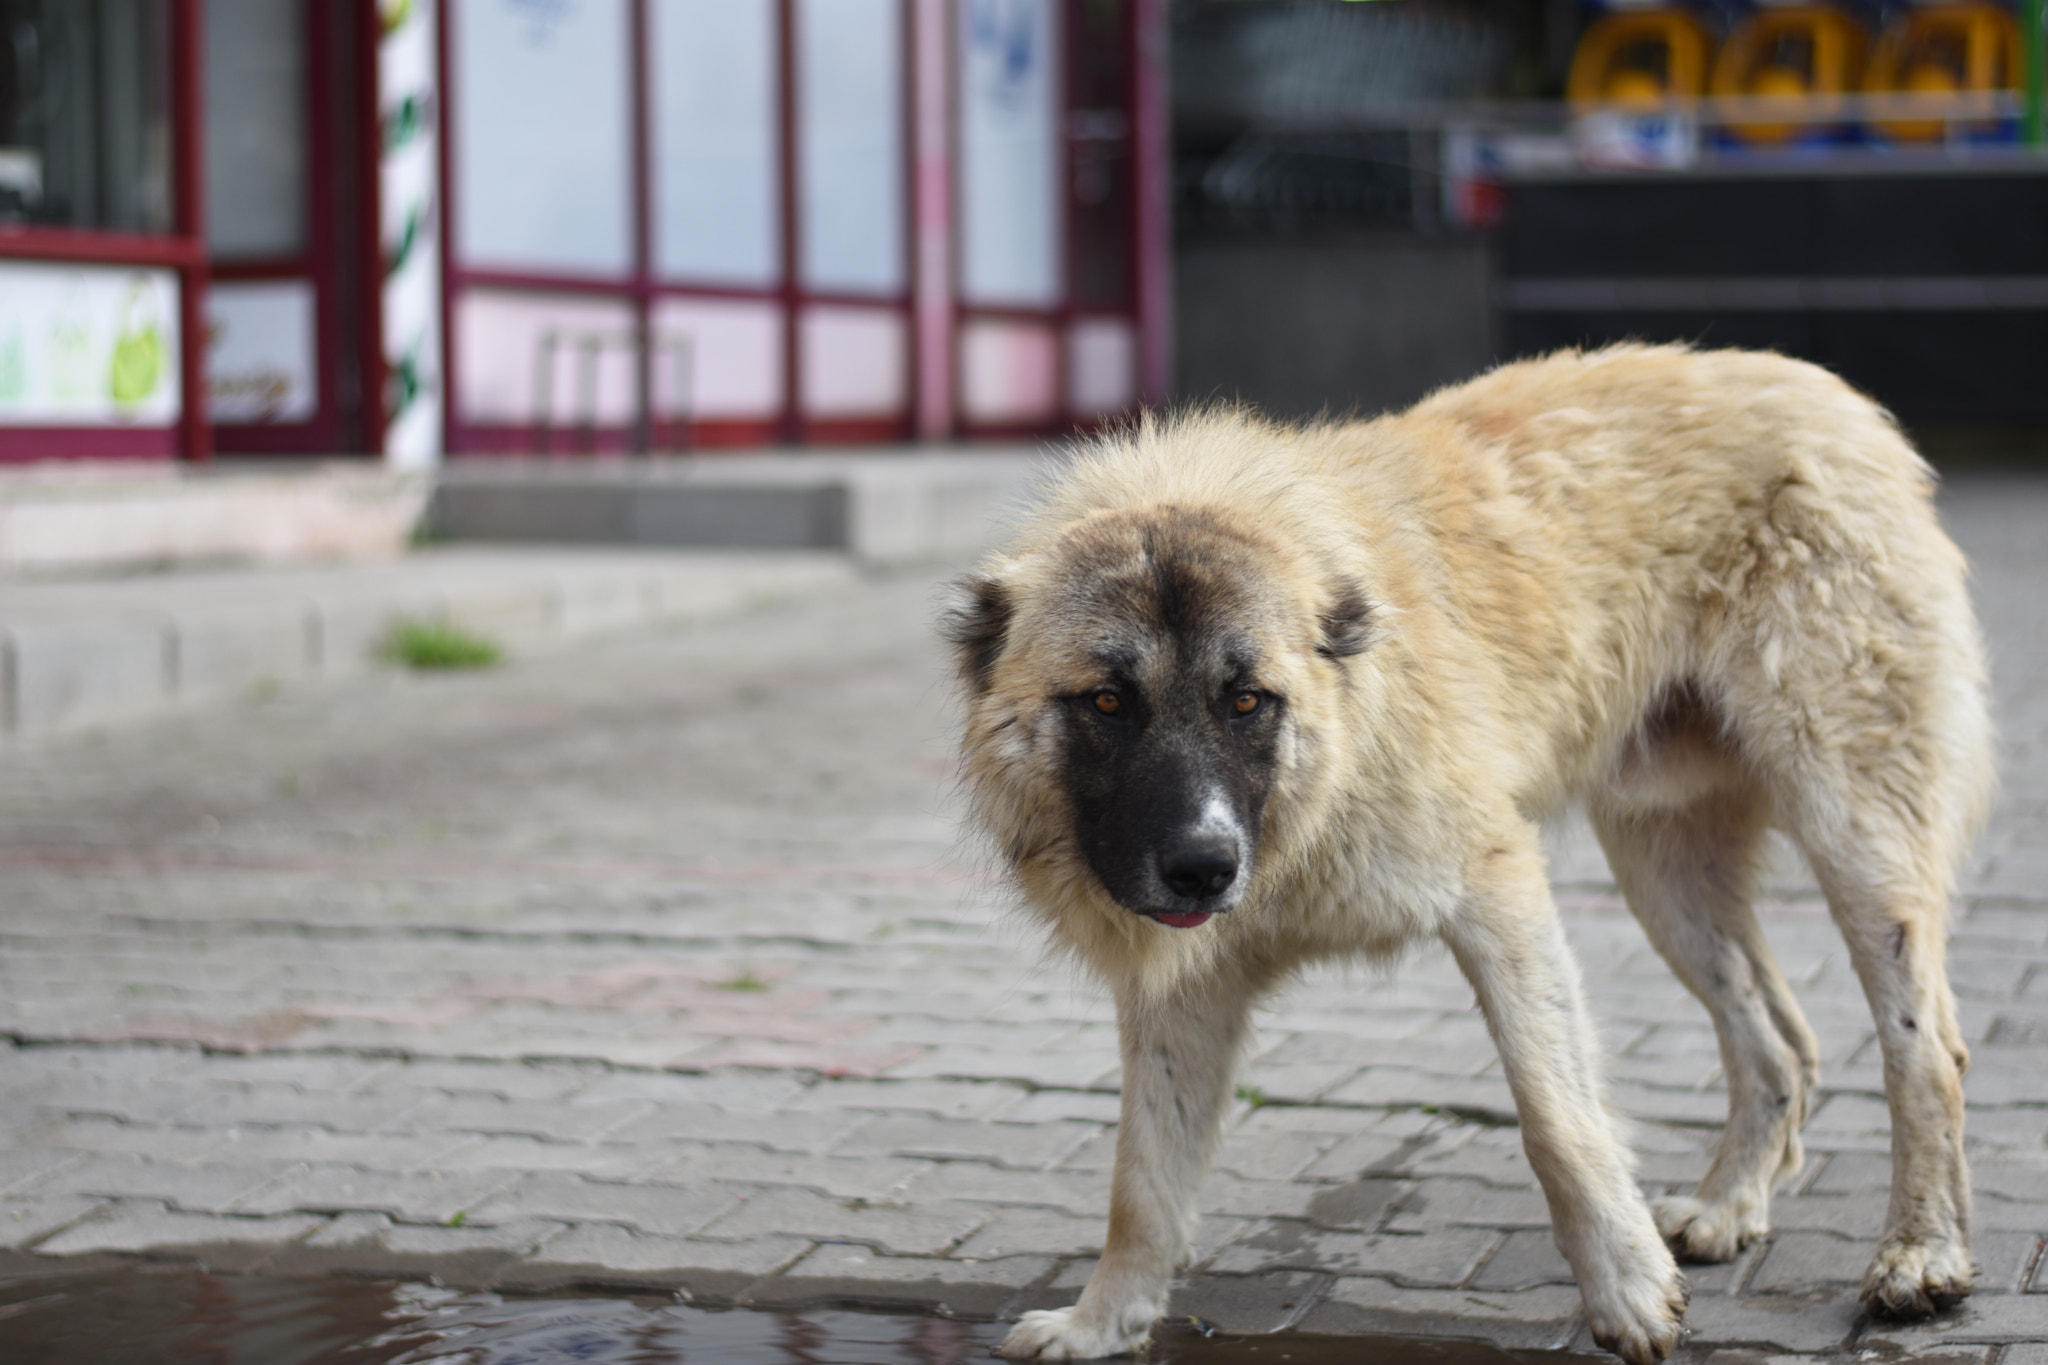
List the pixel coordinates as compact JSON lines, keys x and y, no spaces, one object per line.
{"x":340,"y":81}
{"x":1061,"y":316}
{"x":643,"y":288}
{"x":183,"y":249}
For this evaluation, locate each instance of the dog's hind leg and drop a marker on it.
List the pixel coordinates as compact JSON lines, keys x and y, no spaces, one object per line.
{"x":1180,"y":1058}
{"x":1511,"y":946}
{"x":1687,"y":873}
{"x":1895,"y":932}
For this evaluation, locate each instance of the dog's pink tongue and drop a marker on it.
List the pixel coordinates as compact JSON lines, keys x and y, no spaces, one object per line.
{"x":1183,"y":921}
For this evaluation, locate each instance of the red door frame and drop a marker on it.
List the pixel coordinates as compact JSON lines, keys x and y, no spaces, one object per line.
{"x":1143,"y":26}
{"x":643,"y":288}
{"x":318,"y":262}
{"x":183,"y":249}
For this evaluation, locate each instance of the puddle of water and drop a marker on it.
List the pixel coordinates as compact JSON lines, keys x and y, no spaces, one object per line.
{"x":171,"y":1316}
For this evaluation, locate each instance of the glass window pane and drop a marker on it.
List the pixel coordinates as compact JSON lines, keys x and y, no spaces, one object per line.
{"x":1009,"y":373}
{"x":855,"y":361}
{"x":542,"y":127}
{"x":85,"y":129}
{"x":1010,"y":179}
{"x":255,"y":128}
{"x":850,"y":178}
{"x":715,"y":134}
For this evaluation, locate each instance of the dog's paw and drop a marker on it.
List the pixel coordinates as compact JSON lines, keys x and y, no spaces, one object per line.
{"x":1640,"y":1313}
{"x":1908,"y":1281}
{"x":1062,"y":1334}
{"x":1707,"y":1234}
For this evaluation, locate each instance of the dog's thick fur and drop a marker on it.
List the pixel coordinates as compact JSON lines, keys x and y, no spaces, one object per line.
{"x":1310,"y":691}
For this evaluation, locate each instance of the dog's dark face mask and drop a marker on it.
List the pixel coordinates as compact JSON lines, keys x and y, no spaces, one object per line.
{"x":1175,"y":734}
{"x":1168,"y":766}
{"x":1173,"y":746}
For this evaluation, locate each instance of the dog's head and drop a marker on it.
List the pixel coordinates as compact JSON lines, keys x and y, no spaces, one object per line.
{"x":1143,"y":683}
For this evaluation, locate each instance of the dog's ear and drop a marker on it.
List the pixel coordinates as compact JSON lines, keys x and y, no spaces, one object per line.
{"x":1347,"y":623}
{"x":977,"y":625}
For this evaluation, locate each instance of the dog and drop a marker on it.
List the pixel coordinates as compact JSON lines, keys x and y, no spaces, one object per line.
{"x":1244,"y":696}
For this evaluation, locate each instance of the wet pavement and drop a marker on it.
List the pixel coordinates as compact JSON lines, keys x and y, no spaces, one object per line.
{"x":654,"y":964}
{"x":167,"y":1316}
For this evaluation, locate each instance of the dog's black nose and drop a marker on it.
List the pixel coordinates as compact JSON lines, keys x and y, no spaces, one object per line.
{"x":1199,"y":868}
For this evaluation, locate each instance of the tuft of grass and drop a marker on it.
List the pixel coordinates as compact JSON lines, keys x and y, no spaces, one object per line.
{"x":458,"y":1218}
{"x":1252,"y":1096}
{"x":745,"y":981}
{"x":436,"y":644}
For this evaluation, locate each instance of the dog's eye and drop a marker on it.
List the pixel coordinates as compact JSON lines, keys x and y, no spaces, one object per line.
{"x":1108,"y":702}
{"x":1245,"y":703}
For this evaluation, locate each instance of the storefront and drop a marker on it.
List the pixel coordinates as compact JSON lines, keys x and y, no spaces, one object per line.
{"x":102,"y":252}
{"x":566,"y":226}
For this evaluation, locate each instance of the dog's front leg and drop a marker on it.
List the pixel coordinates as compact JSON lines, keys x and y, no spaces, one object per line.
{"x":1511,"y":946}
{"x":1180,"y":1059}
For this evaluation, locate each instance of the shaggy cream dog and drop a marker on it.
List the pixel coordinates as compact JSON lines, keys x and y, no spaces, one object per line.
{"x":1244,"y":697}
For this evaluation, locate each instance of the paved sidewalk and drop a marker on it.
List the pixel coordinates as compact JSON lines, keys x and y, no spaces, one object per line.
{"x":80,"y":653}
{"x":651,"y":964}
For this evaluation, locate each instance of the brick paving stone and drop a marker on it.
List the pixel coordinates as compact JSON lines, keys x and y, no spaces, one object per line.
{"x":2005,"y":1259}
{"x":1529,"y":1257}
{"x":1256,"y":1199}
{"x":195,"y":1189}
{"x":223,"y":1243}
{"x":782,"y":1131}
{"x":24,"y":1221}
{"x":1789,"y":1324}
{"x":604,"y":1161}
{"x":1853,"y":1173}
{"x":1247,"y":1304}
{"x":506,"y":1082}
{"x":1429,"y":1260}
{"x":1360,"y":1205}
{"x":1491,"y":1154}
{"x":566,"y":1198}
{"x":1798,"y":1262}
{"x":1045,"y":1106}
{"x":1028,"y":1145}
{"x":1534,"y":1319}
{"x":976,"y":1182}
{"x":1041,"y":1232}
{"x":1327,"y":1120}
{"x":283,"y":1105}
{"x":927,"y":1228}
{"x":422,"y":1197}
{"x":1374,"y":1150}
{"x":1097,"y":1155}
{"x":315,"y":1146}
{"x":371,"y":1244}
{"x":945,"y":1099}
{"x":1468,"y":1203}
{"x":852,"y":1274}
{"x":733,"y":1165}
{"x":1855,"y":1216}
{"x":20,"y":1166}
{"x":728,"y":1092}
{"x":1270,"y":1156}
{"x":1389,"y":1086}
{"x":600,"y":1255}
{"x":1027,"y":1066}
{"x":1981,"y":1317}
{"x":496,"y":1117}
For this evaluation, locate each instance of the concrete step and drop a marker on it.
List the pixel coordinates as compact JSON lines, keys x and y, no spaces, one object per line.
{"x":59,"y":518}
{"x":79,"y":654}
{"x":892,"y":506}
